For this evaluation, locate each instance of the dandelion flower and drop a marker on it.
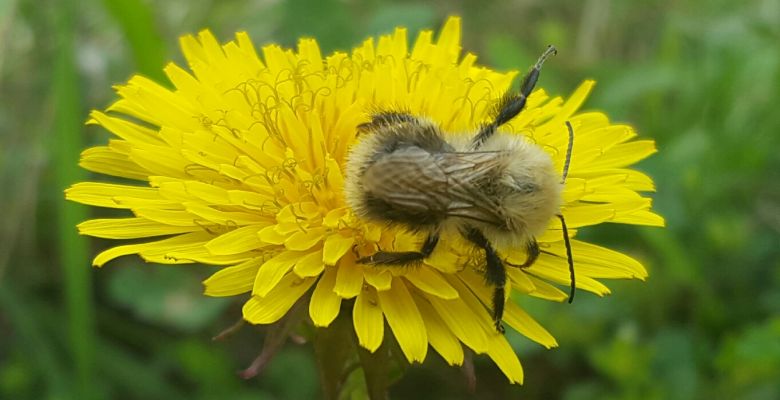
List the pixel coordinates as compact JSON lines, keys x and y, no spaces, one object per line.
{"x":241,"y":165}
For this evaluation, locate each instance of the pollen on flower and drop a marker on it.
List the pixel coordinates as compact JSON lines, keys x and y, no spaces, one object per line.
{"x":242,"y":166}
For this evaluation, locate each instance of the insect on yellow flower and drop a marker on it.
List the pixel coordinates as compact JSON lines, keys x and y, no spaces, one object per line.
{"x":243,"y":164}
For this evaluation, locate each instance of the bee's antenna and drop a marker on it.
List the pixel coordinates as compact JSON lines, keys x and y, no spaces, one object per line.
{"x":560,"y":216}
{"x":568,"y":257}
{"x":549,"y":51}
{"x":568,"y":152}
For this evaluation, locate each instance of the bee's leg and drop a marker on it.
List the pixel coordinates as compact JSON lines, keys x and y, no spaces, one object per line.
{"x":512,"y":103}
{"x":533,"y":253}
{"x":495,"y":275}
{"x":532,"y":247}
{"x":403,"y":257}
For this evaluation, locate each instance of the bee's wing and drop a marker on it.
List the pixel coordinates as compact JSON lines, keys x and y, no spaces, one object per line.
{"x":470,"y":175}
{"x":418,"y":187}
{"x":408,"y":186}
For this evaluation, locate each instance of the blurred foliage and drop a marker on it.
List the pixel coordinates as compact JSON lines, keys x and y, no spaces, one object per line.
{"x":700,"y":77}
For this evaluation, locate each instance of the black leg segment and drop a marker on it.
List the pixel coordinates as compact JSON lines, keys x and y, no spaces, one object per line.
{"x":511,"y":104}
{"x":533,"y":253}
{"x":402,"y":257}
{"x":495,"y":275}
{"x":532,"y":248}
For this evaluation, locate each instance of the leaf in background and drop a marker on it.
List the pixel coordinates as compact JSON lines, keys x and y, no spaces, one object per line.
{"x":327,"y":20}
{"x":35,"y":344}
{"x":165,"y":295}
{"x":136,"y":19}
{"x":507,"y":53}
{"x":674,"y":363}
{"x":413,"y":16}
{"x":749,"y":361}
{"x":66,"y":145}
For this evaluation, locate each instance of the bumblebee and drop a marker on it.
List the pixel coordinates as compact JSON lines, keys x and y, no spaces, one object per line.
{"x":497,"y":190}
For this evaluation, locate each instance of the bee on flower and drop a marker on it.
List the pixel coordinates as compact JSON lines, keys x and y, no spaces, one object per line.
{"x":248,"y":164}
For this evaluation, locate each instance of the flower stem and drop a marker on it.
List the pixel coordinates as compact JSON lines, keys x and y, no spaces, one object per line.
{"x":339,"y":354}
{"x":375,"y":367}
{"x":334,"y":349}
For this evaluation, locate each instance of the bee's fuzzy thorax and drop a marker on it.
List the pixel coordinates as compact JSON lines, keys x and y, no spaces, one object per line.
{"x":535,"y":197}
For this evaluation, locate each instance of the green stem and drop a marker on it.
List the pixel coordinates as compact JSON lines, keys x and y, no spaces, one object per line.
{"x":338,"y":354}
{"x":72,"y":249}
{"x":376,"y":368}
{"x":334,"y":348}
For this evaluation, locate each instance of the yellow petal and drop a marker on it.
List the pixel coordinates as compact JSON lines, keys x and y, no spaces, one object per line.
{"x":105,"y":194}
{"x":227,"y":218}
{"x":449,"y":40}
{"x":192,"y":253}
{"x":333,"y":217}
{"x":405,"y":320}
{"x":125,"y":129}
{"x":129,"y":228}
{"x":295,"y":212}
{"x":629,"y":178}
{"x":234,"y":280}
{"x":115,"y":252}
{"x":210,"y":194}
{"x":556,"y":269}
{"x":304,"y":240}
{"x":372,"y":232}
{"x":445,"y":260}
{"x":520,"y":280}
{"x":349,"y":279}
{"x":325,"y":304}
{"x":599,"y":262}
{"x":460,"y":320}
{"x":573,"y":102}
{"x":236,"y":241}
{"x":504,"y":356}
{"x":574,"y":190}
{"x":513,"y":315}
{"x":368,"y":320}
{"x":272,"y":307}
{"x":271,"y":236}
{"x":623,"y":155}
{"x":272,"y":271}
{"x":335,"y":247}
{"x":378,"y":277}
{"x":523,"y":323}
{"x":159,"y":160}
{"x":105,"y":160}
{"x":546,"y":291}
{"x":171,"y":217}
{"x":309,"y":265}
{"x":430,"y":281}
{"x":165,"y":244}
{"x":583,"y":214}
{"x":439,"y":335}
{"x":641,"y":217}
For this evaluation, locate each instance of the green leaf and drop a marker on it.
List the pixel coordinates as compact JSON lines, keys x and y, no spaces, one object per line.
{"x":136,"y":19}
{"x":165,"y":295}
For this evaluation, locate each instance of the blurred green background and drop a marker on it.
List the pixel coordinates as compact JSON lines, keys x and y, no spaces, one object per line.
{"x":700,"y":77}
